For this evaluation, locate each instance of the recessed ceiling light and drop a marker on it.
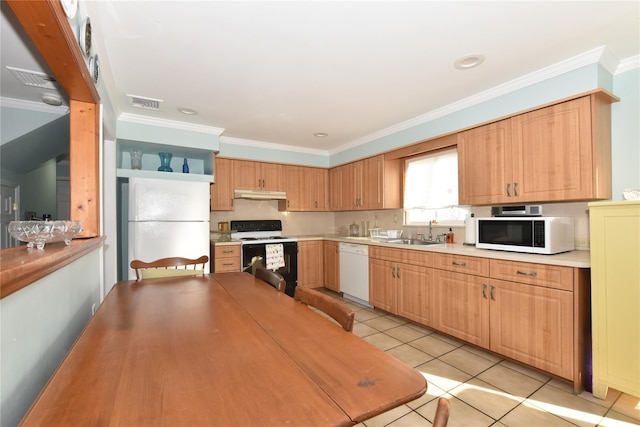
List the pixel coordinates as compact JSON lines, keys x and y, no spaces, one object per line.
{"x":321,"y":134}
{"x":469,"y":61}
{"x":188,"y":111}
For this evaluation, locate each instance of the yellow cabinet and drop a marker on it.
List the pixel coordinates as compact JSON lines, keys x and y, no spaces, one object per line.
{"x":557,"y":153}
{"x":615,"y":296}
{"x":222,"y":187}
{"x":310,"y":264}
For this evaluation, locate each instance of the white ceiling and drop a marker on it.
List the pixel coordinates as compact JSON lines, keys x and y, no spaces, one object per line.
{"x":277,"y":72}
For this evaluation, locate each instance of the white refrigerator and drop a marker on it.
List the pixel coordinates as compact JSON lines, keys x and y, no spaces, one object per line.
{"x":167,"y":218}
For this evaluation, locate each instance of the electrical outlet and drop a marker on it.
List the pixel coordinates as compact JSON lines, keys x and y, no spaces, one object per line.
{"x":582,"y":243}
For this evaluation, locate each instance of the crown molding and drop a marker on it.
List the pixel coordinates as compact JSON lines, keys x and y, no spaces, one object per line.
{"x":598,"y":55}
{"x":41,"y":107}
{"x":628,"y":64}
{"x":173,"y":124}
{"x":271,"y":146}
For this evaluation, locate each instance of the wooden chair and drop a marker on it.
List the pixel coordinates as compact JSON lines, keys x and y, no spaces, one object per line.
{"x":331,"y":306}
{"x":168,"y":267}
{"x":442,"y":413}
{"x":272,"y":278}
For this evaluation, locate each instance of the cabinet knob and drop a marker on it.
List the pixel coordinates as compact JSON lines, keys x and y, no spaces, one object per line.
{"x":508,"y":189}
{"x":459,"y":264}
{"x":515,"y":189}
{"x":493,"y":288}
{"x":484,"y":291}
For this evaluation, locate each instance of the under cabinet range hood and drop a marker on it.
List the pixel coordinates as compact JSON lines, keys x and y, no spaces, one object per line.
{"x":259,"y":195}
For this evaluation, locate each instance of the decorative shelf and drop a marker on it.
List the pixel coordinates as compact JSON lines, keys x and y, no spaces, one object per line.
{"x":178,"y":176}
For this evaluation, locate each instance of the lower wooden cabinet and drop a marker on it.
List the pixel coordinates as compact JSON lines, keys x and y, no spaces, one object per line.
{"x":310,"y":264}
{"x":331,"y":266}
{"x":532,"y":324}
{"x":226,"y":258}
{"x":403,"y":289}
{"x":463,"y":307}
{"x":534,"y":313}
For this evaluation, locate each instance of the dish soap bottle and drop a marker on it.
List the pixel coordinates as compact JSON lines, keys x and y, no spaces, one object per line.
{"x":450,"y":236}
{"x":185,"y":166}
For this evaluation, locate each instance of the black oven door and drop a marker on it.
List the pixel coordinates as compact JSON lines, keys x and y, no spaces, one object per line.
{"x":254,"y":256}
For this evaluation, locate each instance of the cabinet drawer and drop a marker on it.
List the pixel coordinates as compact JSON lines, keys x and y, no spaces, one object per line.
{"x":463,"y":264}
{"x":549,"y":276}
{"x":226,"y":265}
{"x":226,"y":258}
{"x":227,"y":251}
{"x":406,"y":256}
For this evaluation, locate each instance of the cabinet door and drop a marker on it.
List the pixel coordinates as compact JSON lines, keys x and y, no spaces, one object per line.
{"x":371,"y":183}
{"x":382,"y":284}
{"x":335,"y":188}
{"x":415,"y":289}
{"x":615,"y":291}
{"x":246,"y":175}
{"x":293,"y":185}
{"x":222,"y":188}
{"x":533,"y":325}
{"x":316,"y":186}
{"x":310,"y":264}
{"x":484,"y":164}
{"x":331,"y":266}
{"x":350,"y":180}
{"x":553,"y":152}
{"x":272,"y":177}
{"x":462,"y":307}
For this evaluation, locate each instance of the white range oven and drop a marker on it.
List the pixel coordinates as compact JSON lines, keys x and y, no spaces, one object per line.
{"x":261,"y":239}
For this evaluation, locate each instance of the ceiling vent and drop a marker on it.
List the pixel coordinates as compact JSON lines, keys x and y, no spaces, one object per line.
{"x":146,"y":103}
{"x":34,"y":78}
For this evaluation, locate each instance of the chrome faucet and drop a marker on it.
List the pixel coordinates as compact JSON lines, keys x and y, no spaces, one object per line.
{"x":430,"y":237}
{"x":420,"y":236}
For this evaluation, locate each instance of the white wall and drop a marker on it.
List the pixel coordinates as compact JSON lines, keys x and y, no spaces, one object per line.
{"x":38,"y":325}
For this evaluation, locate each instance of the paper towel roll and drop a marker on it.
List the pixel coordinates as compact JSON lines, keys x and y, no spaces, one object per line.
{"x":470,"y":231}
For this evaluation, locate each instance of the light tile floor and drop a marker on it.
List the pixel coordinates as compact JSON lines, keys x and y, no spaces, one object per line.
{"x":483,"y":389}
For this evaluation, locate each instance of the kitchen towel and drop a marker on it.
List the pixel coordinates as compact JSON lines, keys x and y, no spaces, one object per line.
{"x":275,"y":256}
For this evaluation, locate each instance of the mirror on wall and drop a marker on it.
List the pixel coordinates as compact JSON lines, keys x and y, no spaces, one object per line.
{"x":34,"y":133}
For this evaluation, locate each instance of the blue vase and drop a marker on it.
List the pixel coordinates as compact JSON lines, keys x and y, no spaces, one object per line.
{"x":165,"y":162}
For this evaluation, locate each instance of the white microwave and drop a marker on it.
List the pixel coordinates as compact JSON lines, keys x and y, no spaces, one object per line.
{"x":536,"y":235}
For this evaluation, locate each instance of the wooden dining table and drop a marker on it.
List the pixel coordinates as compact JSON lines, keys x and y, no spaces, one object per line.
{"x":218,"y":350}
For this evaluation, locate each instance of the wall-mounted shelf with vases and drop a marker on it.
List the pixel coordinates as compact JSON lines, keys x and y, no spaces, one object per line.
{"x":200,"y":161}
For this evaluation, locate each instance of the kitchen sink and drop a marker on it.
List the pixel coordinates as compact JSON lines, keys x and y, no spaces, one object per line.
{"x":414,"y":242}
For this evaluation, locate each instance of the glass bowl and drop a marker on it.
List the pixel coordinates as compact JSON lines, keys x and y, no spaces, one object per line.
{"x":38,"y":233}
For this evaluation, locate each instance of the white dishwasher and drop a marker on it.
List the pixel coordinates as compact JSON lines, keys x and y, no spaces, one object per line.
{"x":354,"y":272}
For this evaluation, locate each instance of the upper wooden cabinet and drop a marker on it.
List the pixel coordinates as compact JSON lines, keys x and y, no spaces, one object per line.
{"x":249,"y":175}
{"x":557,"y":153}
{"x":372,"y":183}
{"x":306,"y":187}
{"x":222,"y":188}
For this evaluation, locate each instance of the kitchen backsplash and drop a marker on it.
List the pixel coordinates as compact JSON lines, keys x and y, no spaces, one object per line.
{"x":314,"y":223}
